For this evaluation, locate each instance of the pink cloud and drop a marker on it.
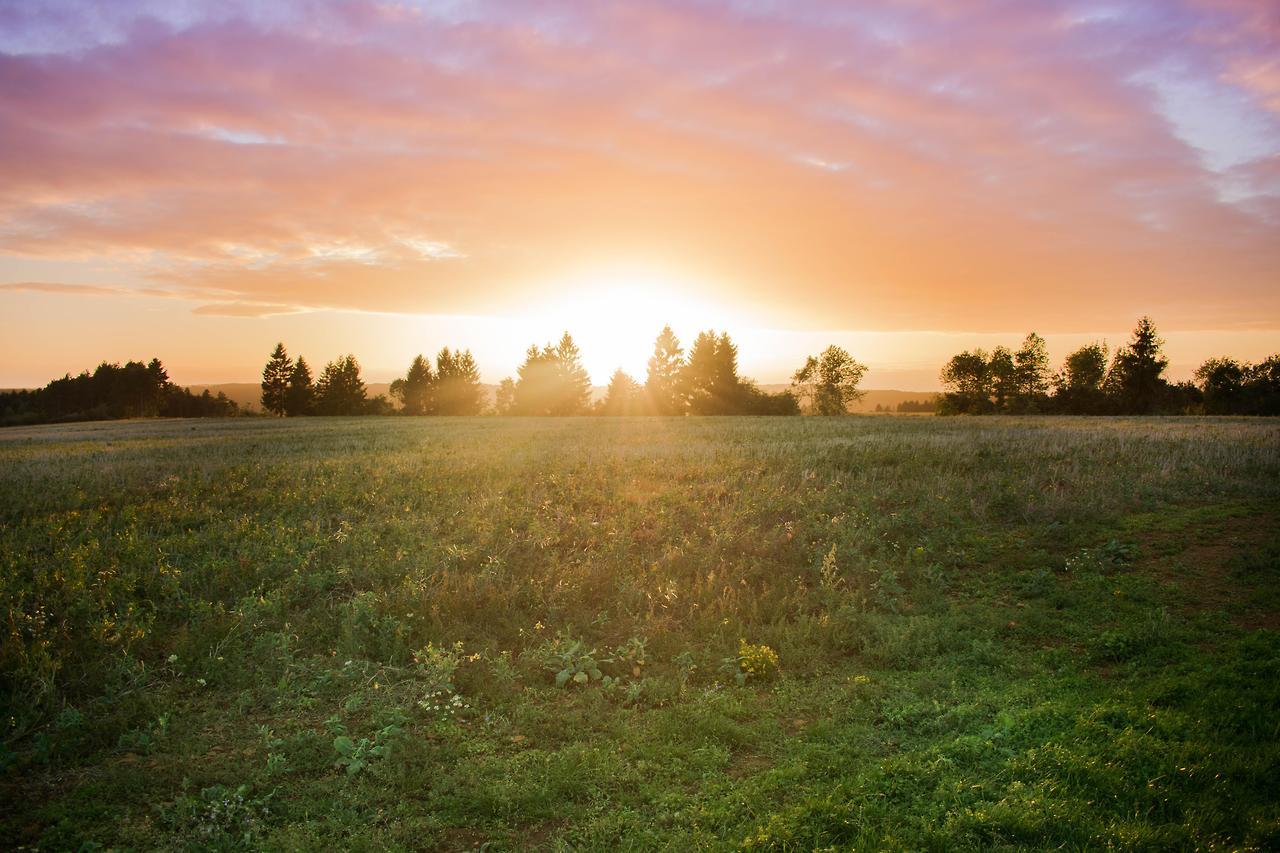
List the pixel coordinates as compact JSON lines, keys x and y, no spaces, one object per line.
{"x":942,"y":163}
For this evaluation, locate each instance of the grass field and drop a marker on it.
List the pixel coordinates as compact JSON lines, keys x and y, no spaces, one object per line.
{"x":501,"y":633}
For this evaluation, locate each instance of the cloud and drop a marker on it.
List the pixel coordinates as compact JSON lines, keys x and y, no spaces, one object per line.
{"x":62,"y":288}
{"x":901,"y":159}
{"x":245,"y":309}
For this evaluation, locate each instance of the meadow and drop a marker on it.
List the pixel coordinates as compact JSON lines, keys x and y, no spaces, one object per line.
{"x":694,"y":633}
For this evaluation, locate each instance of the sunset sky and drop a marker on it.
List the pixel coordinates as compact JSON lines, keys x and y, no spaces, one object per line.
{"x":907,"y":178}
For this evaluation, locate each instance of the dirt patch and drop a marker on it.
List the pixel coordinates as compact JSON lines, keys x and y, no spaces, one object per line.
{"x":748,"y":764}
{"x":1204,"y":569}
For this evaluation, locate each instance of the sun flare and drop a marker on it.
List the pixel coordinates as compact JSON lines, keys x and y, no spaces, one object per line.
{"x":615,"y":315}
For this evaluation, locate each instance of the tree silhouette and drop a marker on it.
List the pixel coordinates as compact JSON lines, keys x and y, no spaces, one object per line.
{"x":299,"y":398}
{"x":1030,"y":376}
{"x":710,"y":377}
{"x":340,"y":390}
{"x":663,"y":385}
{"x":457,"y":390}
{"x":504,"y":399}
{"x":413,"y":390}
{"x":275,"y":381}
{"x":829,"y":381}
{"x":111,"y":391}
{"x":1002,"y":373}
{"x":967,"y":379}
{"x":1222,"y":383}
{"x":1137,"y":372}
{"x":624,"y":396}
{"x":1078,"y":387}
{"x":552,"y":381}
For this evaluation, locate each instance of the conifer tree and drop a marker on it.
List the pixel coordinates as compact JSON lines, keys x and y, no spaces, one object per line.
{"x":413,"y":390}
{"x":458,"y":390}
{"x":622,"y":397}
{"x":275,"y":381}
{"x":340,"y":390}
{"x":1136,"y":378}
{"x":552,"y":381}
{"x":574,"y":392}
{"x":663,"y":384}
{"x":299,"y":398}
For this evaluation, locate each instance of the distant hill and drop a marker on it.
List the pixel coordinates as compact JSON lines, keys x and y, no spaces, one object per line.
{"x":248,"y":395}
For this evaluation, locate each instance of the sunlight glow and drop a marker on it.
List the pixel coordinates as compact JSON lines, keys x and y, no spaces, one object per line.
{"x":615,"y":314}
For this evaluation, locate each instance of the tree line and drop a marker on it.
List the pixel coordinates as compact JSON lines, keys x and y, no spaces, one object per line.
{"x":553,"y":382}
{"x":452,"y":388}
{"x":1093,"y":381}
{"x":111,"y":391}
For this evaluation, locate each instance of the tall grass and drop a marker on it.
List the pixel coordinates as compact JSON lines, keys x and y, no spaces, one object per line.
{"x":255,"y":557}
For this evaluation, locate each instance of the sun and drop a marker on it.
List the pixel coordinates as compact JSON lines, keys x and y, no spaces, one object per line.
{"x":615,"y":314}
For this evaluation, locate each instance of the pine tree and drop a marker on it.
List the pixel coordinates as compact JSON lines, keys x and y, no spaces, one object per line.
{"x":414,"y":389}
{"x":552,"y":381}
{"x":663,"y":384}
{"x":340,"y":390}
{"x":1136,"y":378}
{"x":458,"y":389}
{"x":574,"y":383}
{"x":710,"y":377}
{"x":275,"y":381}
{"x":622,"y":397}
{"x":300,"y":396}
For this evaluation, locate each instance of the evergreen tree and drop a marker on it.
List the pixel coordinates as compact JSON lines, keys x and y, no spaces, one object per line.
{"x":663,"y":385}
{"x":299,"y":398}
{"x":534,"y":388}
{"x":574,"y":395}
{"x":552,"y":381}
{"x":275,"y":381}
{"x":710,"y":378}
{"x":623,"y":396}
{"x":458,"y":390}
{"x":340,"y":390}
{"x":157,"y":382}
{"x":1136,"y":379}
{"x":829,"y":381}
{"x":413,"y":390}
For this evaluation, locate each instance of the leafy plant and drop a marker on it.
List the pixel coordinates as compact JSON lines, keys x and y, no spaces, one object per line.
{"x":631,"y":656}
{"x":356,"y":755}
{"x":570,"y":660}
{"x":758,"y":662}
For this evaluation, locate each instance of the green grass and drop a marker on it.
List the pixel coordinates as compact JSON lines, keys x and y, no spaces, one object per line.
{"x":330,"y":633}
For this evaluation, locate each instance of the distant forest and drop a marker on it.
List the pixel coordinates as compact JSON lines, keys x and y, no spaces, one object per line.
{"x":1133,"y":383}
{"x":702,"y":381}
{"x":136,"y":390}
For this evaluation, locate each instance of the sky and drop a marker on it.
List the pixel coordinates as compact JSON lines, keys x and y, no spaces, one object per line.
{"x":906,"y":178}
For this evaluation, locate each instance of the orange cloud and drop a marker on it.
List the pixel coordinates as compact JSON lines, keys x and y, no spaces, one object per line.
{"x":908,"y":163}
